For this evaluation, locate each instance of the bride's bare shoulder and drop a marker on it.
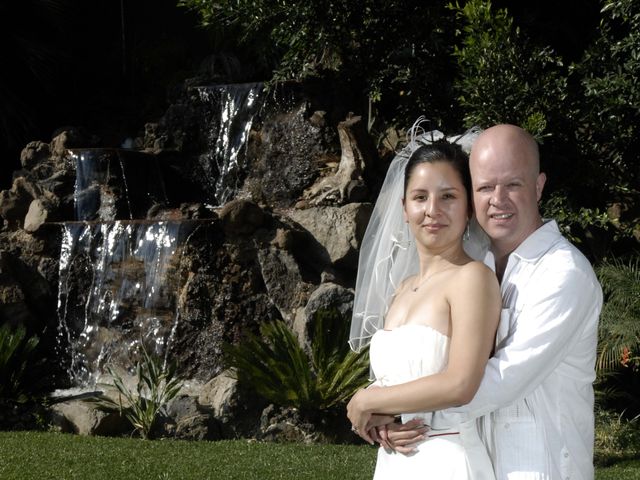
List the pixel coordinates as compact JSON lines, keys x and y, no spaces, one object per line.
{"x":475,"y":272}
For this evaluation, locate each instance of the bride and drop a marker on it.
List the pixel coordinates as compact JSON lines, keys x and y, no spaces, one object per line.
{"x":429,"y":311}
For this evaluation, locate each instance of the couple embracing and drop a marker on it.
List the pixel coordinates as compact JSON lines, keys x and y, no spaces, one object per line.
{"x":481,"y":319}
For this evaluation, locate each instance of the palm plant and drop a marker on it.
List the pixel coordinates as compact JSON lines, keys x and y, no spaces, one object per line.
{"x":619,"y":342}
{"x":340,"y":372}
{"x":618,"y":362}
{"x":15,"y":352}
{"x":157,"y":384}
{"x":278,"y":369}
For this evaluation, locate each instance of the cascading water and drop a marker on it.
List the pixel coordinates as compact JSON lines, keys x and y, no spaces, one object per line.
{"x":119,"y":283}
{"x":102,"y":191}
{"x":224,"y":163}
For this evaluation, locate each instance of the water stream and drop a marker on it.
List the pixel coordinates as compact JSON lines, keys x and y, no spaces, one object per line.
{"x":225,"y":161}
{"x":118,"y":290}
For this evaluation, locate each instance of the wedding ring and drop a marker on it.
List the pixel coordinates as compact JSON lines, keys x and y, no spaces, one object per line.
{"x":354,"y":429}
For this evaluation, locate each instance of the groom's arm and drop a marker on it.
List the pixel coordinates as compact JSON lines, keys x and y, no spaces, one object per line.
{"x":561,"y":311}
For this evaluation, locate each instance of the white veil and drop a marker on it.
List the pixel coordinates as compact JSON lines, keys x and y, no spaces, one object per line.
{"x":387,"y":253}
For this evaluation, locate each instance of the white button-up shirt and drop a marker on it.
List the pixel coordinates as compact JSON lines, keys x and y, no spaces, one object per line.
{"x":538,"y":386}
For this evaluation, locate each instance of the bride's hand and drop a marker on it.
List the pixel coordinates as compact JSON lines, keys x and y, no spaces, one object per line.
{"x":359,"y":415}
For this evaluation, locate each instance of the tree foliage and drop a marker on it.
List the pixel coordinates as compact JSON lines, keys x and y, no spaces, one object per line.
{"x":394,"y":54}
{"x":504,"y":79}
{"x":607,"y":115}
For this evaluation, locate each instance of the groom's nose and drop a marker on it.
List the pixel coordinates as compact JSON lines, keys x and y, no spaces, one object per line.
{"x":498,"y":196}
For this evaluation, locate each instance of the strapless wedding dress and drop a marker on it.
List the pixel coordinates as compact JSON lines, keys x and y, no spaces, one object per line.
{"x":453,"y":449}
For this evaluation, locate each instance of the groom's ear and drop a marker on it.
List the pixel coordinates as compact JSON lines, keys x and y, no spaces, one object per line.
{"x":540,"y":181}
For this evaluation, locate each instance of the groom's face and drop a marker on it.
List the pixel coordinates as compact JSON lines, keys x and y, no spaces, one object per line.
{"x":506,"y":187}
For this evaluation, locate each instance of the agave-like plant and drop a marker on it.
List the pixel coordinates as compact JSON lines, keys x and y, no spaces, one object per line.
{"x":157,"y":384}
{"x":278,"y":369}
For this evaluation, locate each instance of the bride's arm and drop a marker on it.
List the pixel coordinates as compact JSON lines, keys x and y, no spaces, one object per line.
{"x":475,"y":310}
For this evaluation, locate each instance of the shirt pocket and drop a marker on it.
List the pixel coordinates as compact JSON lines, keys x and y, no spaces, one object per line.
{"x":520,"y":450}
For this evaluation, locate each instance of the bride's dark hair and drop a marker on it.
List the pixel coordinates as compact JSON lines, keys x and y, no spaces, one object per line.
{"x":441,"y":151}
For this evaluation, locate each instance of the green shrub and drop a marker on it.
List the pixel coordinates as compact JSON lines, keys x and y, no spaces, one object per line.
{"x":278,"y":369}
{"x":616,"y":438}
{"x":157,"y":384}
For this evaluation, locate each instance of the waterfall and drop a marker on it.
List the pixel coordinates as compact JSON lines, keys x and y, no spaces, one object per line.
{"x":224,"y":164}
{"x":119,"y":284}
{"x":102,"y":184}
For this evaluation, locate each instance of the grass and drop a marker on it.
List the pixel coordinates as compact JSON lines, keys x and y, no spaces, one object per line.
{"x":628,"y":470}
{"x":30,"y":455}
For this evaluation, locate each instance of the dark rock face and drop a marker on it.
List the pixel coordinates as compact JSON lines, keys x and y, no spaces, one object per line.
{"x":289,"y":155}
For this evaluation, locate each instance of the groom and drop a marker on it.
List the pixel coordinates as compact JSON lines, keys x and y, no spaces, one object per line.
{"x":537,"y":391}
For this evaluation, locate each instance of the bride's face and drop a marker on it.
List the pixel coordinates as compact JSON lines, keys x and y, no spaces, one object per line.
{"x":435,"y":205}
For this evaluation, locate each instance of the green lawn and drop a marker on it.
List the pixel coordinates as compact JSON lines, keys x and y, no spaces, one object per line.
{"x":37,"y":455}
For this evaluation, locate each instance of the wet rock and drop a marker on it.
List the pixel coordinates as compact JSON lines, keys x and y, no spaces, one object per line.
{"x":14,"y":203}
{"x":237,"y":409}
{"x":283,"y":280}
{"x":241,"y":217}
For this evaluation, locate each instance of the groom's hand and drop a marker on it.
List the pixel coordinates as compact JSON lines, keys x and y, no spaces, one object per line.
{"x":376,"y":421}
{"x":402,"y":437}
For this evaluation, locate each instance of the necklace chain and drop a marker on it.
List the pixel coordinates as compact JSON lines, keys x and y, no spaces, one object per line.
{"x":428,"y":277}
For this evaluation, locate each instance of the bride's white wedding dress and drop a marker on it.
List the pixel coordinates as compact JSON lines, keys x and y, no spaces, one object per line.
{"x":452,"y":450}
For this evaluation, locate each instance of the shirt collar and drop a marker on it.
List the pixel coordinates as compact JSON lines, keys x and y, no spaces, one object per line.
{"x":539,"y":242}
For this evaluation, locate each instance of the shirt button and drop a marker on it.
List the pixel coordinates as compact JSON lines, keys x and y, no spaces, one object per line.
{"x":566,"y":455}
{"x":506,"y":425}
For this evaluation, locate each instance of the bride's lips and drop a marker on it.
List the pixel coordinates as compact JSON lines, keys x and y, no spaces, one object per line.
{"x":433,"y":227}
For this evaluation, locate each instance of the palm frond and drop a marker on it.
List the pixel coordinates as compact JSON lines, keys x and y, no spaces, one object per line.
{"x":279,"y":369}
{"x":620,"y":317}
{"x":15,"y":352}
